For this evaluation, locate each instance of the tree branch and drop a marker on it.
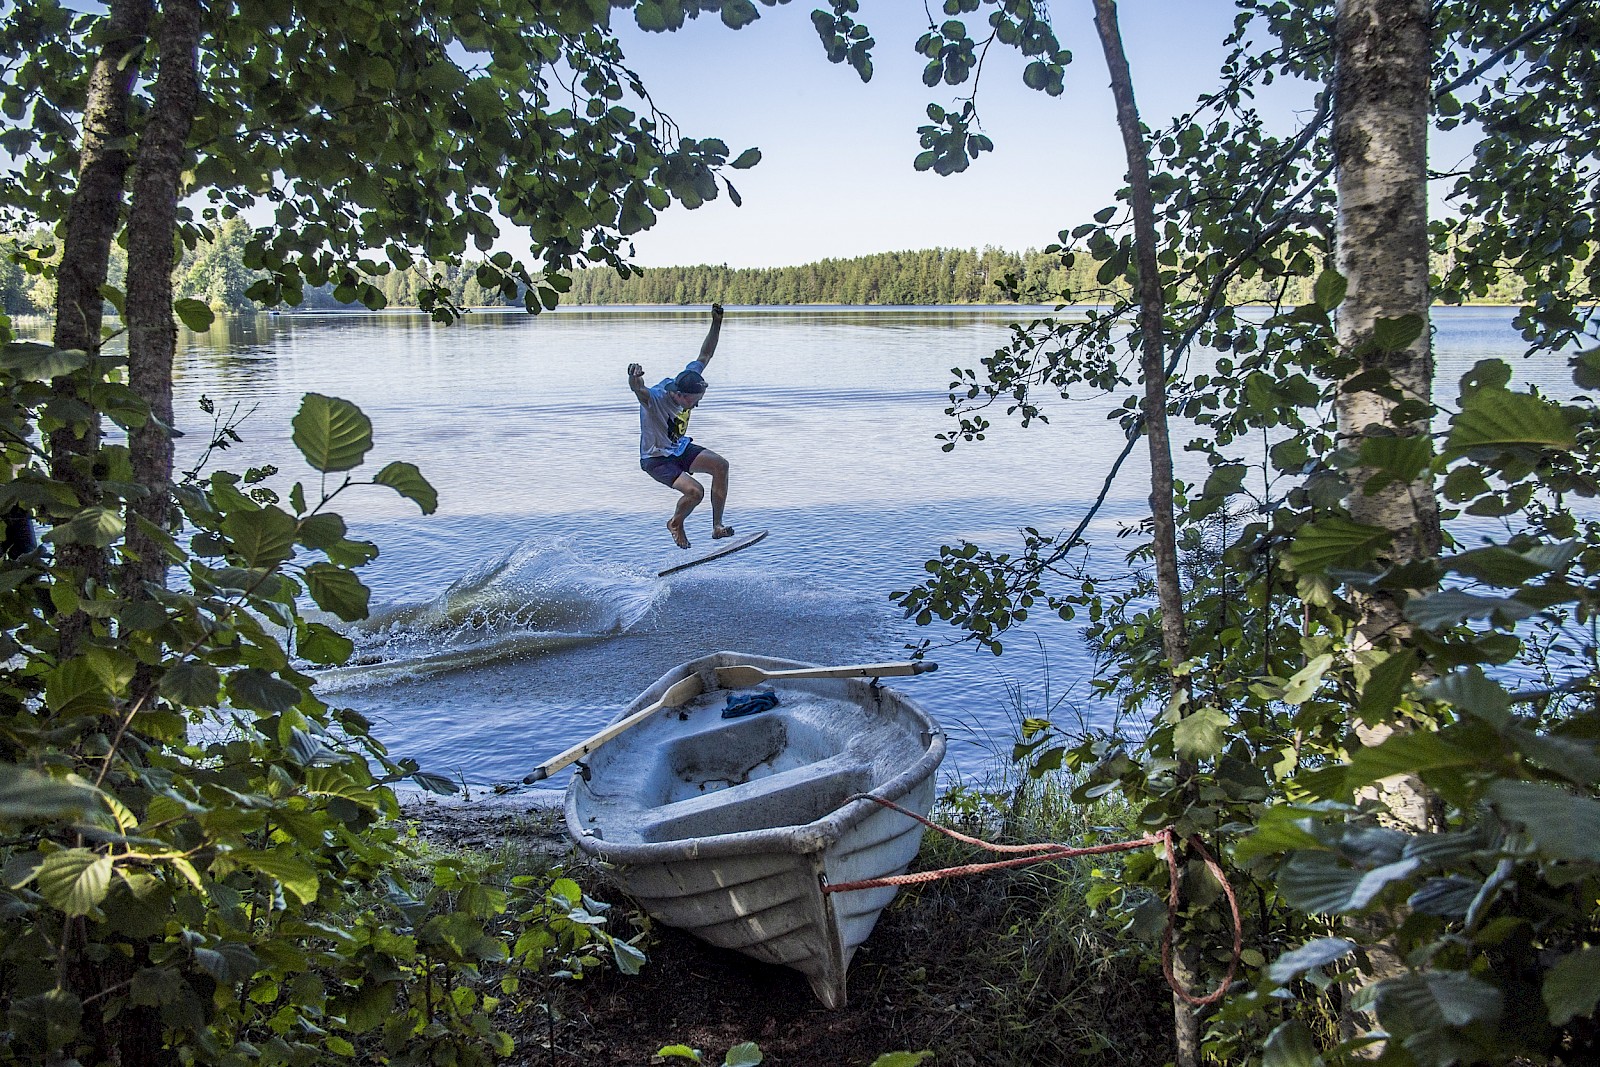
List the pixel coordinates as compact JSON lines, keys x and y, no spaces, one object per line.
{"x":1495,"y":57}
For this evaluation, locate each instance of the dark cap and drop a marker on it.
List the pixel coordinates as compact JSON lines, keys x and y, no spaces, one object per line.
{"x":689,"y":383}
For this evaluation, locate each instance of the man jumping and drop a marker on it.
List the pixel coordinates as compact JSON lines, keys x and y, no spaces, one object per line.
{"x":666,"y":452}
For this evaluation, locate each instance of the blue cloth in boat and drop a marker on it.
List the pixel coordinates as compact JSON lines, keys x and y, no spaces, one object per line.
{"x":750,"y":703}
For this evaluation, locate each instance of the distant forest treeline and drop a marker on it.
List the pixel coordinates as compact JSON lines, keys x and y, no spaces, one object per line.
{"x":215,"y":273}
{"x":928,"y":276}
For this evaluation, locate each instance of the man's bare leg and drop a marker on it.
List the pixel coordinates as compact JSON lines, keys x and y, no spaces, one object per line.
{"x":709,"y":462}
{"x":693,"y":493}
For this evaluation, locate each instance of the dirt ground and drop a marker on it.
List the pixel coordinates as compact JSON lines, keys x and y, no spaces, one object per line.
{"x":907,"y":986}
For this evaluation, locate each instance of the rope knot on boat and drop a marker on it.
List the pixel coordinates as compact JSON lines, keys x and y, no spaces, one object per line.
{"x":1046,"y":851}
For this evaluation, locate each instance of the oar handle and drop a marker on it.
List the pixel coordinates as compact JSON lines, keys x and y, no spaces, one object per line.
{"x":859,"y":670}
{"x":583,"y":748}
{"x":677,"y":694}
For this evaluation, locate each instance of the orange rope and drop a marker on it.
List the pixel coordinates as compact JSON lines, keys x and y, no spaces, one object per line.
{"x":1048,"y":850}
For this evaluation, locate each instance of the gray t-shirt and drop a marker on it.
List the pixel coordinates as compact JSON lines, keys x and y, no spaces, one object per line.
{"x":663,"y":422}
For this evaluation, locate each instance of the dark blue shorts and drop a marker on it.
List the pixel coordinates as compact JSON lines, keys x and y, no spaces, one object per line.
{"x":665,"y":469}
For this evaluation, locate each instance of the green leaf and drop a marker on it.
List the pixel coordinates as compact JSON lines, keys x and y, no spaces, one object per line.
{"x":1402,"y":458}
{"x":1450,"y":897}
{"x":1225,"y":479}
{"x":54,"y":1016}
{"x":1562,"y":825}
{"x":370,"y":1007}
{"x":322,"y":531}
{"x":1200,"y":734}
{"x":296,"y":876}
{"x":307,"y":751}
{"x":1309,"y":956}
{"x":407,"y":480}
{"x":1330,"y":290}
{"x":95,"y":526}
{"x":435,"y":783}
{"x":1451,"y":607}
{"x":76,"y":687}
{"x":1281,"y":829}
{"x":1387,"y":683}
{"x":192,"y":684}
{"x":229,"y":962}
{"x":1405,"y":753}
{"x":1576,"y":760}
{"x":323,"y":644}
{"x":1290,"y":1045}
{"x":747,"y":159}
{"x":737,"y":14}
{"x":348,"y":553}
{"x":1586,"y":369}
{"x":1336,"y":542}
{"x":1414,"y":1003}
{"x":1475,"y":693}
{"x":1507,"y":567}
{"x":337,"y":590}
{"x":1289,"y":455}
{"x":258,"y":690}
{"x":747,"y":1054}
{"x":331,"y":433}
{"x":336,"y":781}
{"x":1499,"y":418}
{"x":902,"y":1059}
{"x":1307,"y":680}
{"x":629,"y":959}
{"x":36,"y":362}
{"x":261,"y":538}
{"x":1317,"y":882}
{"x":681,"y":1051}
{"x":28,"y":796}
{"x":1394,"y":335}
{"x":75,"y":880}
{"x":1572,"y":986}
{"x":195,"y":314}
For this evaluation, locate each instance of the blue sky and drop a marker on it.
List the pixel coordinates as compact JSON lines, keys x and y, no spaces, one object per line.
{"x":836,"y":177}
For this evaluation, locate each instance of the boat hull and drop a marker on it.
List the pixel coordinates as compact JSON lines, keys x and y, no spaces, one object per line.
{"x":729,"y":829}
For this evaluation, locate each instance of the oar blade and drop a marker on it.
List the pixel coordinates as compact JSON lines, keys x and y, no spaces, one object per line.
{"x":739,"y":676}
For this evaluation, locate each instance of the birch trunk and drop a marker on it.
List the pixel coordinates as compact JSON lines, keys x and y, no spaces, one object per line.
{"x":1152,"y":362}
{"x":1381,"y":91}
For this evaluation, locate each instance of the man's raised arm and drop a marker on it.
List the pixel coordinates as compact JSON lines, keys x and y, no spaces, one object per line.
{"x":636,"y":382}
{"x":709,"y":347}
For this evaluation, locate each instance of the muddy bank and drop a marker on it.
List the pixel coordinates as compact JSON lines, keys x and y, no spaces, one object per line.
{"x":940,"y":972}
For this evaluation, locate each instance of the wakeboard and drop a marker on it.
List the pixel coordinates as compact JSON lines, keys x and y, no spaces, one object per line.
{"x":716,"y":550}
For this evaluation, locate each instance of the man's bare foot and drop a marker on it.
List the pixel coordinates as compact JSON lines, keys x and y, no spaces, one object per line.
{"x":718,"y":532}
{"x":675,"y":528}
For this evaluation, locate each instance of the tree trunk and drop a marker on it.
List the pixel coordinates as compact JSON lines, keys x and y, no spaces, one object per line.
{"x":1380,"y":141}
{"x":1152,"y":362}
{"x":91,"y":225}
{"x":152,"y":332}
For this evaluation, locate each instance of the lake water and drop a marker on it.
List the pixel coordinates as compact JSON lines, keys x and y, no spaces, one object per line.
{"x":521,"y":616}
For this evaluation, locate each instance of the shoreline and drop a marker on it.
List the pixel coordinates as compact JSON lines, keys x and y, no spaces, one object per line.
{"x":939,"y":973}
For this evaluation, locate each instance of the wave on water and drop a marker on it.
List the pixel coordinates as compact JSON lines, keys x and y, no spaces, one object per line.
{"x":538,"y":597}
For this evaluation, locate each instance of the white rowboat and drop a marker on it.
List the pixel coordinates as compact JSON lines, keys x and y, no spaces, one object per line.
{"x":729,"y":828}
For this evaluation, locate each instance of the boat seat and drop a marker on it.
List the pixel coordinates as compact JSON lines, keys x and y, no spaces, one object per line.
{"x":792,"y":797}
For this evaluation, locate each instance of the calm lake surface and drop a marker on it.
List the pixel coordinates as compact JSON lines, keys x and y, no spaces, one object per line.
{"x":521,"y":616}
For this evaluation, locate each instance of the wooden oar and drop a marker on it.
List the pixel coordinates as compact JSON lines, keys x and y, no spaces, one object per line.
{"x":678,"y":694}
{"x":741,"y":675}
